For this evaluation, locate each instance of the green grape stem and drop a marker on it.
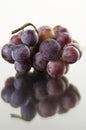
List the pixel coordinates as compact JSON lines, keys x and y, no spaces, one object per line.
{"x":16,"y":116}
{"x":22,"y":27}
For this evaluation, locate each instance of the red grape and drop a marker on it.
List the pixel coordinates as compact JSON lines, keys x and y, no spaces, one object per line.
{"x":70,"y":54}
{"x":56,"y":69}
{"x":45,"y":32}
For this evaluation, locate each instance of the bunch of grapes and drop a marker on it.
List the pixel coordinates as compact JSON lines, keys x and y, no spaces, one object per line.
{"x":45,"y":49}
{"x":38,"y":93}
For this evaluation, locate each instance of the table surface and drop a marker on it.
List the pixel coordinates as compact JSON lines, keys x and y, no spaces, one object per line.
{"x":74,"y":119}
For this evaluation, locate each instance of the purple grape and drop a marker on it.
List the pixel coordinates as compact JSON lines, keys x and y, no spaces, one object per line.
{"x":59,"y":28}
{"x":76,"y":45}
{"x":63,"y":38}
{"x":22,"y":68}
{"x":39,"y":63}
{"x":21,"y":53}
{"x":70,"y":54}
{"x":56,"y":69}
{"x":29,"y":37}
{"x":50,"y":49}
{"x":15,"y":39}
{"x":6,"y":52}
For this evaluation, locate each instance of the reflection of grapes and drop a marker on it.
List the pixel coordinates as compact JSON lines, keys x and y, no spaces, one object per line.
{"x":45,"y":49}
{"x":28,"y":111}
{"x":36,"y":92}
{"x":56,"y":87}
{"x":47,"y":107}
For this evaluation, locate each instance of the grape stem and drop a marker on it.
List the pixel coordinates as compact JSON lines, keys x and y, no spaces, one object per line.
{"x":16,"y":116}
{"x":22,"y":27}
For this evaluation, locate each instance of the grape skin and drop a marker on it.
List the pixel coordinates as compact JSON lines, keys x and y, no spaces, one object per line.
{"x":22,"y":68}
{"x":70,"y":54}
{"x":45,"y":32}
{"x":6,"y":52}
{"x":29,"y":37}
{"x":76,"y":45}
{"x":39,"y":63}
{"x":59,"y":28}
{"x":63,"y":38}
{"x":15,"y":39}
{"x":56,"y":69}
{"x":21,"y":53}
{"x":50,"y":49}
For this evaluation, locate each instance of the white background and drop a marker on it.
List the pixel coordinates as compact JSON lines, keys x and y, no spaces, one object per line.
{"x":69,"y":13}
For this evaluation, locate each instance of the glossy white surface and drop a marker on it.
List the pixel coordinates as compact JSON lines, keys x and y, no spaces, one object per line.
{"x":70,"y":14}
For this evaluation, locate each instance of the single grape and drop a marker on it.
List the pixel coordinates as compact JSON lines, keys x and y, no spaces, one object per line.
{"x":22,"y":68}
{"x":63,"y":38}
{"x":39,"y":63}
{"x":45,"y":32}
{"x":59,"y":28}
{"x":56,"y":69}
{"x":28,"y":111}
{"x":29,"y":37}
{"x":70,"y":54}
{"x":76,"y":45}
{"x":56,"y":87}
{"x":47,"y":106}
{"x":15,"y":39}
{"x":21,"y":53}
{"x":50,"y":49}
{"x":6,"y":52}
